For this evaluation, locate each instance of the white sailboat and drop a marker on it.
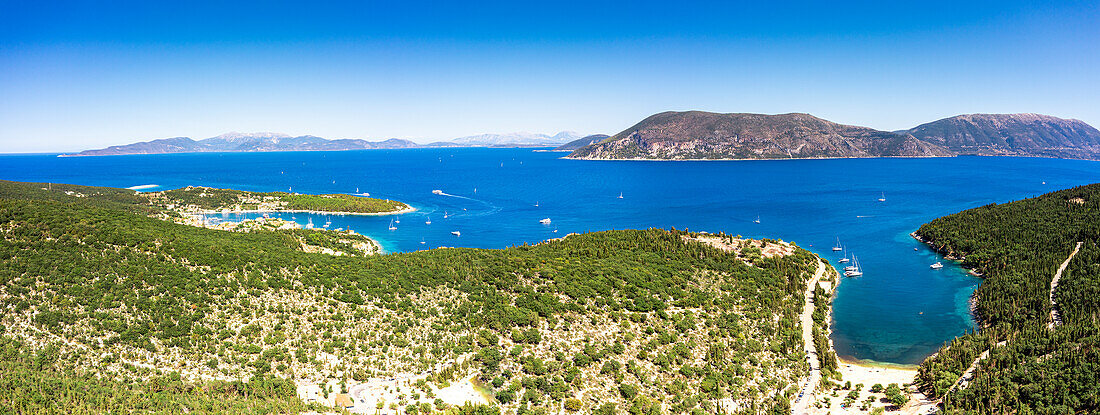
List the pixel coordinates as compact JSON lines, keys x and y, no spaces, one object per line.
{"x":845,"y":259}
{"x":309,"y":223}
{"x":757,"y":220}
{"x":620,"y":195}
{"x":392,"y":228}
{"x":398,"y":220}
{"x":856,"y":270}
{"x":882,"y":198}
{"x":536,"y":203}
{"x":429,"y":221}
{"x":838,"y":247}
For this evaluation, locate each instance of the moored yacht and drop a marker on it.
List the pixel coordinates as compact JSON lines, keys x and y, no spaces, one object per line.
{"x":855,"y":271}
{"x":545,"y":221}
{"x":838,"y":247}
{"x":937,"y":265}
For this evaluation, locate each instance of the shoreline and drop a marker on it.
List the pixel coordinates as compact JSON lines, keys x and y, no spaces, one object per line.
{"x":758,"y":159}
{"x":825,"y":158}
{"x":408,"y":209}
{"x":868,"y":363}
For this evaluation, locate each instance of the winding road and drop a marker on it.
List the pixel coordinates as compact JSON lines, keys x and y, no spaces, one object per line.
{"x":1056,"y":319}
{"x":806,"y":389}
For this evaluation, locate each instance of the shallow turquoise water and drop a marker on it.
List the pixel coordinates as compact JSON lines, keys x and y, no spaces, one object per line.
{"x":899,"y":311}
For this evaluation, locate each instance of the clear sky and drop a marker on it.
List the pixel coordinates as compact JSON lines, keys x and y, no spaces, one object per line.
{"x":90,"y":74}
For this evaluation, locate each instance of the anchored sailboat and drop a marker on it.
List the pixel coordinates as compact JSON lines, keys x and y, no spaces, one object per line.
{"x":855,"y":268}
{"x":838,"y":247}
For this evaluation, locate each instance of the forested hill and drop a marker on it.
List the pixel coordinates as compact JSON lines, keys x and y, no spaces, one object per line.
{"x":704,"y":135}
{"x":109,"y":309}
{"x":1019,"y":246}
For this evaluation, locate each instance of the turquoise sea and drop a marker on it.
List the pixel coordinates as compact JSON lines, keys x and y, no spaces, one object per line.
{"x":899,"y":311}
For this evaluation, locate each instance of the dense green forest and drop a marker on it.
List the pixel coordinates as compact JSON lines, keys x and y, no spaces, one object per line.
{"x":1018,"y":247}
{"x":207,"y":198}
{"x":122,"y":310}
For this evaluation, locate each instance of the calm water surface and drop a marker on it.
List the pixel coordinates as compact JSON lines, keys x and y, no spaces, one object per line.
{"x":900,"y":310}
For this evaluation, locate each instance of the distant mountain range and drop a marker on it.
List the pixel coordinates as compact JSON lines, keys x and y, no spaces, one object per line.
{"x":260,"y":142}
{"x":697,"y":135}
{"x":517,"y":139}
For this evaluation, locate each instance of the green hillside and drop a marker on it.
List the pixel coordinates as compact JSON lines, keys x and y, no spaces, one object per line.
{"x":1018,"y":247}
{"x":102,"y":296}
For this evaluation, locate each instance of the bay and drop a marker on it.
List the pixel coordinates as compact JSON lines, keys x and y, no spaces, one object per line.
{"x":899,"y":311}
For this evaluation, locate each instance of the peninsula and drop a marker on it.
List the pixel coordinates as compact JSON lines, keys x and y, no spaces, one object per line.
{"x":122,"y":311}
{"x":197,"y":199}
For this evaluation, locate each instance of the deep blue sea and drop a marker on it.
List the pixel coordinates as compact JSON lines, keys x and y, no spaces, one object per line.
{"x":899,"y":311}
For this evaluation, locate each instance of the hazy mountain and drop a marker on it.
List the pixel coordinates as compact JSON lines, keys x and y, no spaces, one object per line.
{"x":705,"y":135}
{"x":1013,"y":134}
{"x":581,"y":142}
{"x":250,"y":142}
{"x":259,"y":142}
{"x":516,"y":139}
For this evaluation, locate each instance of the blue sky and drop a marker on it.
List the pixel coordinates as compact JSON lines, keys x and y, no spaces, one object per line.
{"x":76,"y":75}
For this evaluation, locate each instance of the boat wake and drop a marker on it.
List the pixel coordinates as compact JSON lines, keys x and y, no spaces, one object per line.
{"x":488,"y":208}
{"x":143,"y":186}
